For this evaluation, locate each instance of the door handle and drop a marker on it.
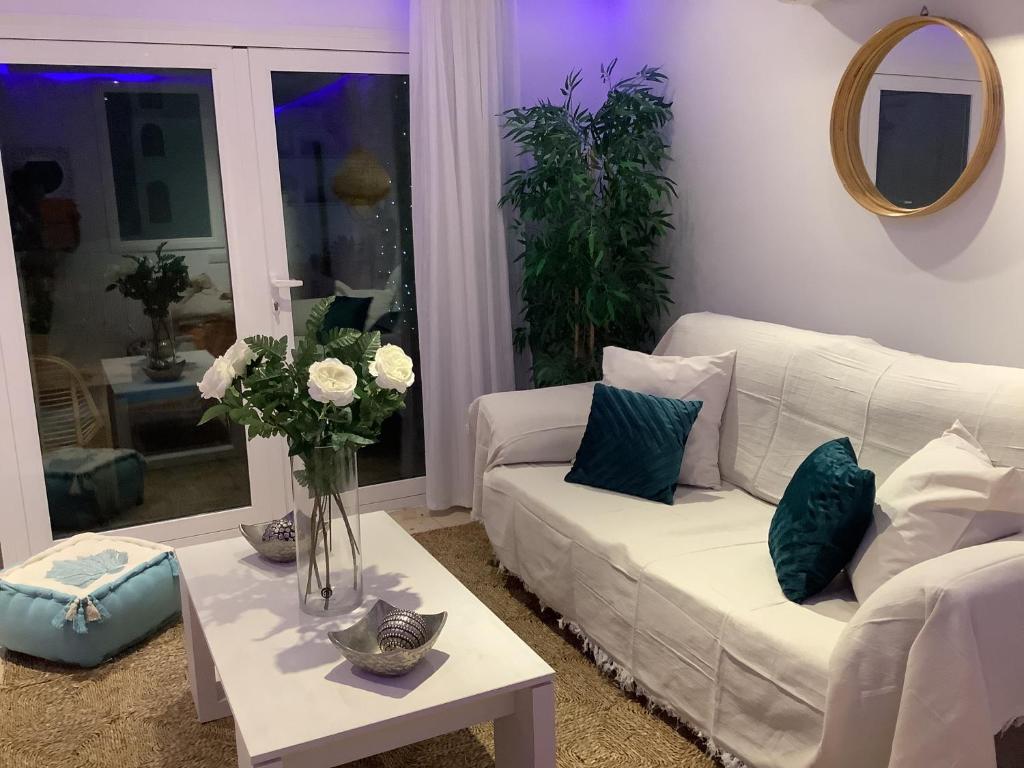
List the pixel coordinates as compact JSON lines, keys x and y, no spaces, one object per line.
{"x":284,"y":282}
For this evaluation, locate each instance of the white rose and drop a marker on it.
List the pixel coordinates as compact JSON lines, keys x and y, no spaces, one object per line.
{"x":122,"y":269}
{"x":239,"y":355}
{"x":393,"y":368}
{"x":331,"y":381}
{"x":217,"y":379}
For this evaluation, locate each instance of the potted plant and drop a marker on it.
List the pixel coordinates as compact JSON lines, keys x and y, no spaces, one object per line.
{"x":328,"y":401}
{"x":157,"y":281}
{"x":590,"y":209}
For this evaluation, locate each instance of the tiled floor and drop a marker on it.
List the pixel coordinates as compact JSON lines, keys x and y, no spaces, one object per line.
{"x":420,"y":519}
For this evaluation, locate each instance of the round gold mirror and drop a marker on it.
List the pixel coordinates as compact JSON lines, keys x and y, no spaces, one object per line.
{"x":916,"y":116}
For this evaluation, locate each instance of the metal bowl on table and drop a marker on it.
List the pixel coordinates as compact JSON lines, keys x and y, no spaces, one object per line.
{"x":406,"y":638}
{"x":274,"y":540}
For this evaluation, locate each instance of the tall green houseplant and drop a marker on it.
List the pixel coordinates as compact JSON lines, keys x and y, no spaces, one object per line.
{"x":589,"y":211}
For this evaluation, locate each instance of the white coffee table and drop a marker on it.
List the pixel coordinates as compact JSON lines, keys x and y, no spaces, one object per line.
{"x":298,"y":703}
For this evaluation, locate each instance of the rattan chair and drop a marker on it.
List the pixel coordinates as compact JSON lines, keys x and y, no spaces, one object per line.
{"x":66,"y":412}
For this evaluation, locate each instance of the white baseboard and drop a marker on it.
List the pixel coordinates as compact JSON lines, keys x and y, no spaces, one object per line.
{"x":419,"y":500}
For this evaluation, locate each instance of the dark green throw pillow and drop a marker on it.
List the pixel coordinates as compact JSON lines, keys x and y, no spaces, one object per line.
{"x":345,"y":312}
{"x":821,"y":519}
{"x":634,"y":443}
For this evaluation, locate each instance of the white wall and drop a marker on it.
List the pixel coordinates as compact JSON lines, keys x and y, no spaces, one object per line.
{"x":313,"y":13}
{"x":555,"y":37}
{"x":377,"y":24}
{"x":764,"y":227}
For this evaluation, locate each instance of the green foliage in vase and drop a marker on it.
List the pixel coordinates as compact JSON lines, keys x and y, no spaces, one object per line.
{"x":358,"y":383}
{"x":590,"y":210}
{"x":157,"y":281}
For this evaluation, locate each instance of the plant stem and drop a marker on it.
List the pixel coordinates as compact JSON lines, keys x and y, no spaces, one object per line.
{"x":313,"y":533}
{"x":351,"y":541}
{"x":326,"y":501}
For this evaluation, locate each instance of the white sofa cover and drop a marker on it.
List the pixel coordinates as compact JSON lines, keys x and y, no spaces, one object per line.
{"x":683,"y":602}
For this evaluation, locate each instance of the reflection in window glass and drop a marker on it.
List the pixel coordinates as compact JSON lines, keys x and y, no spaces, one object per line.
{"x":114,"y":375}
{"x":343,"y":147}
{"x":923,"y":141}
{"x":157,"y":144}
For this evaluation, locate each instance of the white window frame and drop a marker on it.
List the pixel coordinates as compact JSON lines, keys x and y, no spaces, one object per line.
{"x":410,"y":492}
{"x":26,"y":525}
{"x":250,"y":187}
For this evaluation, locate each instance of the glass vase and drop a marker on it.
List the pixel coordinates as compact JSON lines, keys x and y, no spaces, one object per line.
{"x":161,"y":345}
{"x":328,"y":559}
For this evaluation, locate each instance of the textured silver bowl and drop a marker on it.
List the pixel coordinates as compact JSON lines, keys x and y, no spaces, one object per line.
{"x":358,"y":643}
{"x":172,"y":372}
{"x":272,"y":549}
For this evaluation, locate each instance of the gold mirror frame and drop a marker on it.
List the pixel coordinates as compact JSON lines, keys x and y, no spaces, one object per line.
{"x":846,"y":111}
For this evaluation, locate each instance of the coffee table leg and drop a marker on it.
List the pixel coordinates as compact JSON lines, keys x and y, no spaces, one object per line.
{"x":207,"y":693}
{"x":244,"y":761}
{"x":526,"y":738}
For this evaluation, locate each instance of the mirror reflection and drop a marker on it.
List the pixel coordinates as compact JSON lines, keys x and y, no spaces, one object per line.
{"x":921,"y":117}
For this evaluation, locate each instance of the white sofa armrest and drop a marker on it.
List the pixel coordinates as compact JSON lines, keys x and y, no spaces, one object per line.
{"x":528,"y":426}
{"x":930,"y":666}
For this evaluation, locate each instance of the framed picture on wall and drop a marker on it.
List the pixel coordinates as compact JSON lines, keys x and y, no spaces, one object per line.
{"x":158,"y":146}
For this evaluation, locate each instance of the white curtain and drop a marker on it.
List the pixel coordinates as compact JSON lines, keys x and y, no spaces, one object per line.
{"x":458,"y":79}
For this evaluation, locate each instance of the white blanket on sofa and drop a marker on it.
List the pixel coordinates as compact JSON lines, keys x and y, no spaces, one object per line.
{"x":930,"y":665}
{"x":923,"y":675}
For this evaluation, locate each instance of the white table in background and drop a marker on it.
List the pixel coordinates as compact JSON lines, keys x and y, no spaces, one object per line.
{"x":131,"y":390}
{"x":298,"y":703}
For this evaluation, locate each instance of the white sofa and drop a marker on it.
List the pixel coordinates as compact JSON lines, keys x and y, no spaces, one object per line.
{"x":682,"y":602}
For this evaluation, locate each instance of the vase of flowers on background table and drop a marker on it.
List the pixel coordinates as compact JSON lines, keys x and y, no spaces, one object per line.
{"x":157,"y":281}
{"x":328,"y":401}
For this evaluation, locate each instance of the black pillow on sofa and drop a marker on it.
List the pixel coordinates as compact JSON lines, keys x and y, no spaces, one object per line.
{"x":346,"y":312}
{"x":634,"y":443}
{"x":821,"y":519}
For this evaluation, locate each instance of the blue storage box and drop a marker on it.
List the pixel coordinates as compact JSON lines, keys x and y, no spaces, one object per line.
{"x":87,"y":598}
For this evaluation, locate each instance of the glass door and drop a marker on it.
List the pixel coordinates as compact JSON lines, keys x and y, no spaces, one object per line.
{"x":334,"y":165}
{"x":133,"y":257}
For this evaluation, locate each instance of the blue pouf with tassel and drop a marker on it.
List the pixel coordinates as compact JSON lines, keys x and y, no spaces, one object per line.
{"x":88,"y":598}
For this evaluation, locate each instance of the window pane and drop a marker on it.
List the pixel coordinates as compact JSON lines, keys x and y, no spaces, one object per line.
{"x":101,"y":166}
{"x":343,"y":148}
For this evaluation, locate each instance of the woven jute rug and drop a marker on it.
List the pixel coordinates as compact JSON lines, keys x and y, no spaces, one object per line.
{"x":137,"y":709}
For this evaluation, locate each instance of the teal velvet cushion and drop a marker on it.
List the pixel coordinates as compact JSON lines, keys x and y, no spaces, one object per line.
{"x":346,"y":312}
{"x":821,"y":519}
{"x":634,"y":443}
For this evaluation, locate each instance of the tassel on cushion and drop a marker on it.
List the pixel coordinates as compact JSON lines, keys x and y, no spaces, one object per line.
{"x":79,"y":611}
{"x":173,"y":560}
{"x":91,"y":612}
{"x":104,"y":613}
{"x":66,"y":614}
{"x":79,"y":623}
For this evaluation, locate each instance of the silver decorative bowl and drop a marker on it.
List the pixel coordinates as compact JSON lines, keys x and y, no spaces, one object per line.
{"x":171,"y":371}
{"x":273,"y":549}
{"x":359,"y":645}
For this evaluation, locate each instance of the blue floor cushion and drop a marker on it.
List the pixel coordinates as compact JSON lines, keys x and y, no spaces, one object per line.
{"x":87,"y":598}
{"x":88,"y":487}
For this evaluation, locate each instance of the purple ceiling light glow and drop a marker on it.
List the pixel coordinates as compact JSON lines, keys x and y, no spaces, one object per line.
{"x":321,"y":94}
{"x":115,"y":77}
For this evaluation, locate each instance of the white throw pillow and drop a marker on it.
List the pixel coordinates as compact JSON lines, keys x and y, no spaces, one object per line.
{"x":704,"y":378}
{"x":946,"y":496}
